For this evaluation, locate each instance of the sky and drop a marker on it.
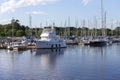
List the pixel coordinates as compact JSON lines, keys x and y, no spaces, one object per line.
{"x":45,"y":12}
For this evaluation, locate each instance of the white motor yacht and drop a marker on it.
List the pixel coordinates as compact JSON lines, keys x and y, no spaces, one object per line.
{"x":50,"y":40}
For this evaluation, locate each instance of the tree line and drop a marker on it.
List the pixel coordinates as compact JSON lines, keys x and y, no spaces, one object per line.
{"x":15,"y":29}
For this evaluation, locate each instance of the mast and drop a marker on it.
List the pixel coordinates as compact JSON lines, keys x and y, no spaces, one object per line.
{"x":12,"y":28}
{"x":119,"y":30}
{"x":84,"y":28}
{"x":30,"y":24}
{"x":81,"y":33}
{"x":102,"y":19}
{"x":53,"y":25}
{"x":65,"y":31}
{"x":46,"y":23}
{"x":95,"y":24}
{"x":105,"y":24}
{"x":68,"y":26}
{"x":89,"y":29}
{"x":112,"y":28}
{"x":76,"y":25}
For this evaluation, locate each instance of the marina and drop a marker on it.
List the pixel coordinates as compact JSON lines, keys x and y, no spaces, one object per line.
{"x":26,"y":45}
{"x":56,"y":40}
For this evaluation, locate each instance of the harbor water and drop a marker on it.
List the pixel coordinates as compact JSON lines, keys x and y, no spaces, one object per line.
{"x":71,"y":63}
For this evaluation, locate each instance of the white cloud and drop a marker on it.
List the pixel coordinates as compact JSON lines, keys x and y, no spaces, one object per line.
{"x":37,"y":12}
{"x":85,"y":2}
{"x":12,"y":5}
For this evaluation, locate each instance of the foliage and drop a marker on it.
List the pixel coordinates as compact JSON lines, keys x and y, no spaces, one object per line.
{"x":15,"y":29}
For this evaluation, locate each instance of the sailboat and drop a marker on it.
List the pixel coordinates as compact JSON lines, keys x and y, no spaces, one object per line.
{"x":100,"y":41}
{"x":18,"y":45}
{"x":10,"y":46}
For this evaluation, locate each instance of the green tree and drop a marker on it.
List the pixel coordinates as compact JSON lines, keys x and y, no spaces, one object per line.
{"x":20,"y":33}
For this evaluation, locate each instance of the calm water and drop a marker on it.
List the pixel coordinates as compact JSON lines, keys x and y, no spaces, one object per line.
{"x":72,"y":63}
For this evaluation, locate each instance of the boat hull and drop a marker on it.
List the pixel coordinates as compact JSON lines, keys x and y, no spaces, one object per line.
{"x":19,"y":48}
{"x":98,"y":43}
{"x":49,"y":45}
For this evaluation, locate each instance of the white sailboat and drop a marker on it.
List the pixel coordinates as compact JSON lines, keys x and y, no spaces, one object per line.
{"x":17,"y":45}
{"x":101,"y":41}
{"x":10,"y":46}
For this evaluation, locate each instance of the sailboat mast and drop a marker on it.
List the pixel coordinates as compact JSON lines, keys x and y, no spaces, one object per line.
{"x":105,"y":25}
{"x":12,"y":28}
{"x":68,"y":26}
{"x":65,"y":31}
{"x":102,"y":21}
{"x":83,"y":27}
{"x":112,"y":28}
{"x":46,"y":23}
{"x":30,"y":24}
{"x":76,"y":25}
{"x":95,"y":24}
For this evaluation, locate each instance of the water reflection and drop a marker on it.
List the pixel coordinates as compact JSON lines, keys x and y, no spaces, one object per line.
{"x":14,"y":52}
{"x":49,"y":51}
{"x":72,"y":63}
{"x":99,"y":50}
{"x":49,"y":57}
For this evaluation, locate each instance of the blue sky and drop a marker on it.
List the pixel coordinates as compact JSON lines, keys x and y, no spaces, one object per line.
{"x":58,"y":11}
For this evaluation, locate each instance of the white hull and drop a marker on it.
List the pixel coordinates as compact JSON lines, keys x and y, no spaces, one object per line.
{"x":17,"y":46}
{"x":49,"y":45}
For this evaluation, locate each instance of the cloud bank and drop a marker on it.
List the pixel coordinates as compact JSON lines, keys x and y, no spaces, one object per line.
{"x":85,"y":2}
{"x":12,"y":5}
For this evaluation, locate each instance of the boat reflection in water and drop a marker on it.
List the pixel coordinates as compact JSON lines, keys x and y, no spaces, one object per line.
{"x":15,"y":52}
{"x":50,"y":51}
{"x":48,"y":57}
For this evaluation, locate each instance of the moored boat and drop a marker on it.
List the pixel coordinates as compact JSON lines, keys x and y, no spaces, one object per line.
{"x":98,"y":42}
{"x":17,"y":46}
{"x":50,"y":40}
